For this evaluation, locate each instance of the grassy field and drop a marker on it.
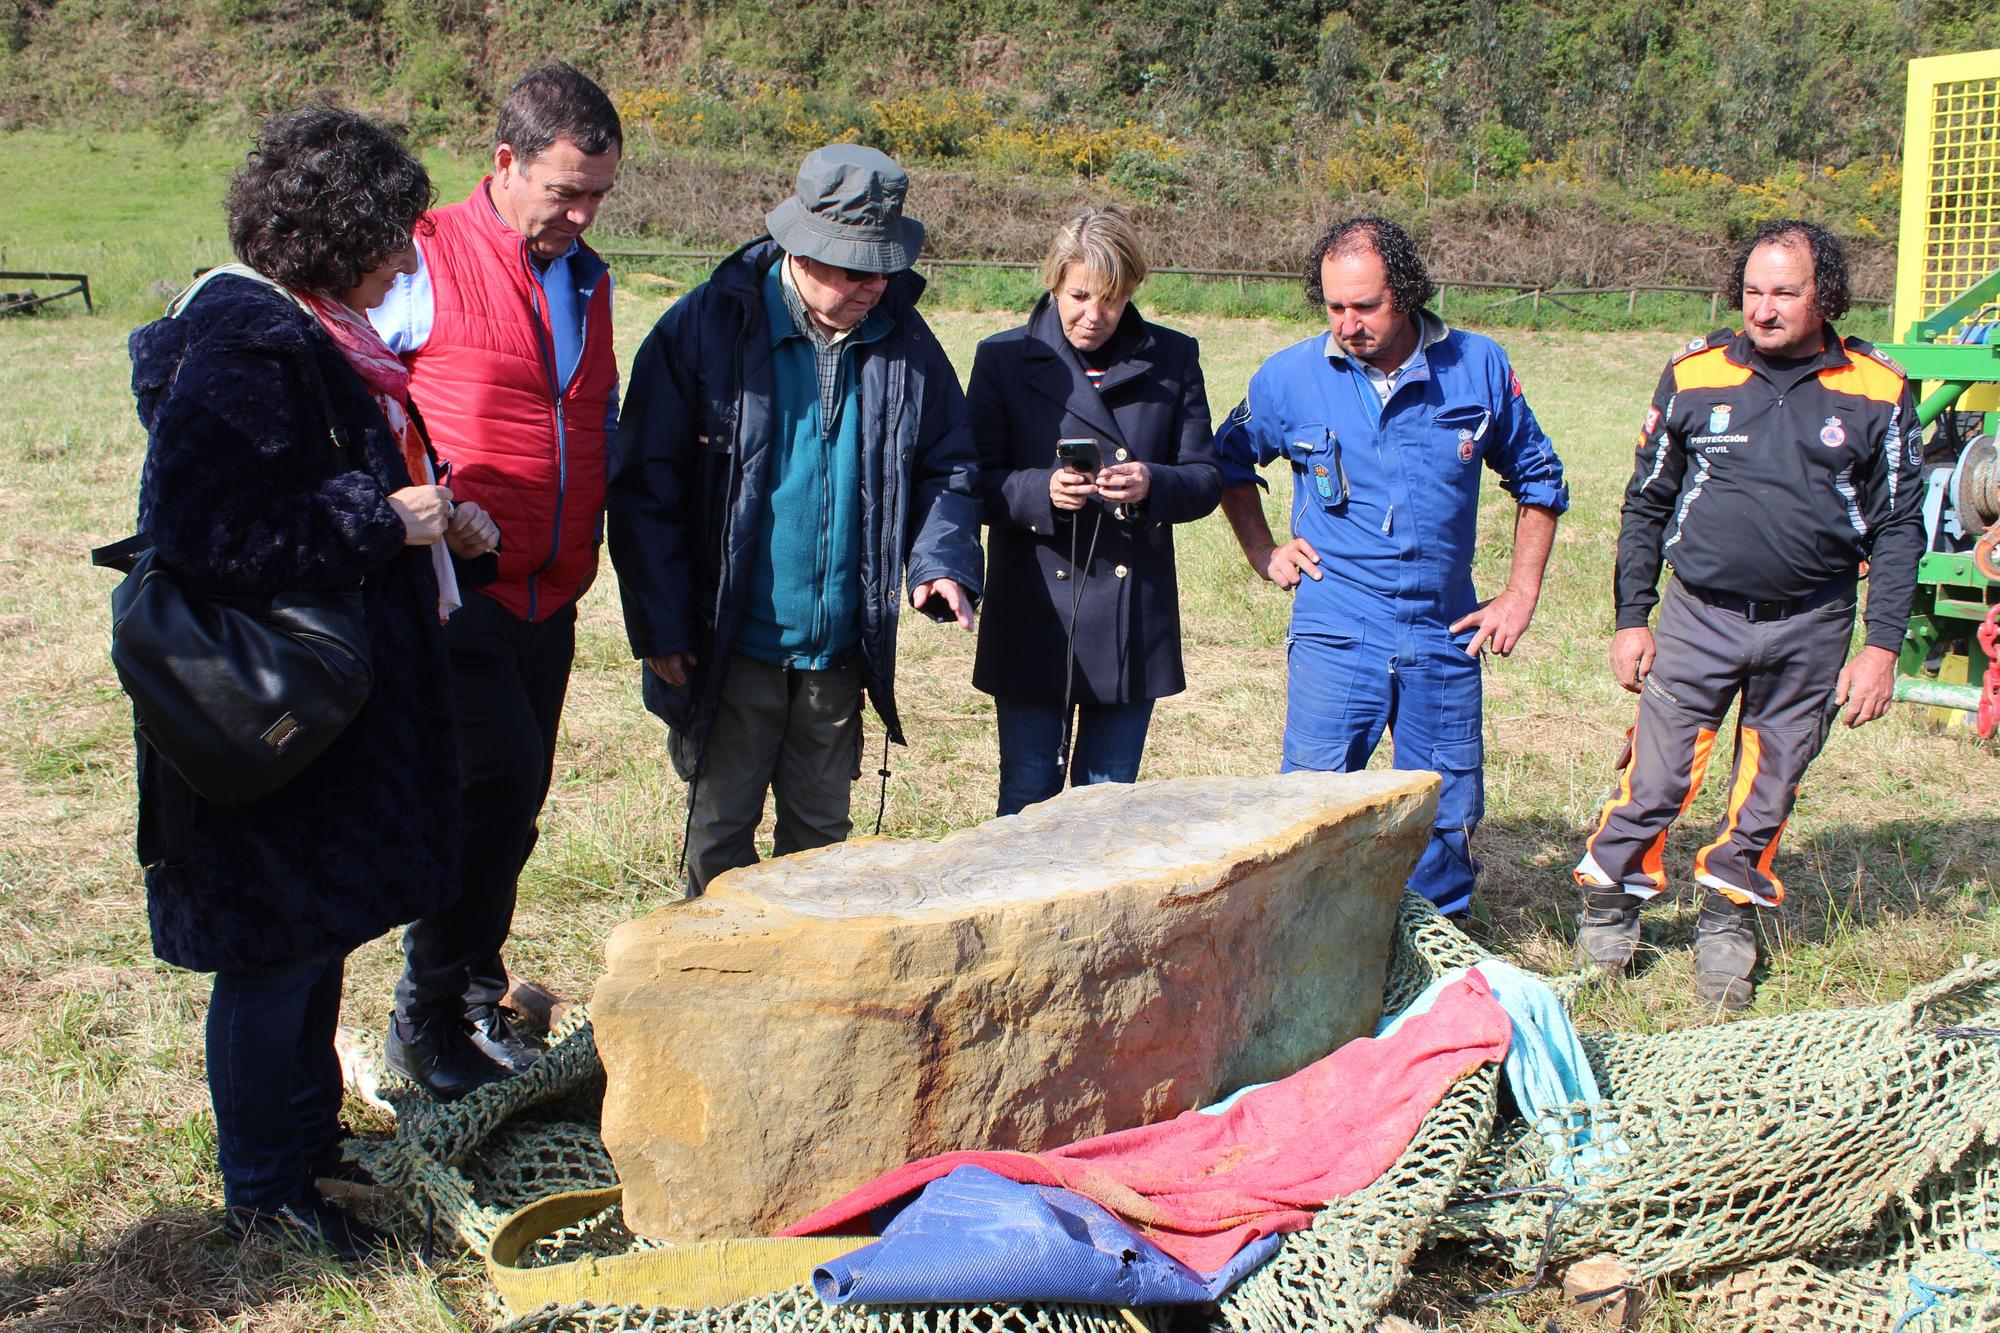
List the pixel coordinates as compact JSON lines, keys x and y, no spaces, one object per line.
{"x":108,"y":1193}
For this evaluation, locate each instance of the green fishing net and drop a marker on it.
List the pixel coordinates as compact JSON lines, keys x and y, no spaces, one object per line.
{"x":1841,"y":1167}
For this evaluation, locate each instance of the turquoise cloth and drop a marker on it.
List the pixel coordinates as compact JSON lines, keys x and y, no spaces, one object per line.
{"x":1547,"y":1070}
{"x":802,"y":607}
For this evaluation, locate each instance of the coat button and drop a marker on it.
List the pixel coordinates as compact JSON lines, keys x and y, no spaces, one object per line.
{"x":1121,"y":571}
{"x":1062,"y":574}
{"x":1122,"y":455}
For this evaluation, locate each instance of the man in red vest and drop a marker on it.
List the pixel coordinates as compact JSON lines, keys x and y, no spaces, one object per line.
{"x":506,"y":329}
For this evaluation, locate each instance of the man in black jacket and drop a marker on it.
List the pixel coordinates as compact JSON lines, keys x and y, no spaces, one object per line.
{"x":1772,"y":463}
{"x":793,"y":446}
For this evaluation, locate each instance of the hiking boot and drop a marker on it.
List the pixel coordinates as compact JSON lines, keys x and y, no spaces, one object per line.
{"x":1725,"y":953}
{"x":1607,"y":932}
{"x":497,"y":1041}
{"x":437,"y":1054}
{"x":312,"y":1222}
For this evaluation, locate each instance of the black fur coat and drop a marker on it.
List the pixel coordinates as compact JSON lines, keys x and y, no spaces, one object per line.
{"x":238,"y":495}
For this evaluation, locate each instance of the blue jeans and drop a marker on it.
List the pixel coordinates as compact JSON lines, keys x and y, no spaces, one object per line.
{"x":1110,"y":738}
{"x":274,"y":1076}
{"x":1342,"y":691}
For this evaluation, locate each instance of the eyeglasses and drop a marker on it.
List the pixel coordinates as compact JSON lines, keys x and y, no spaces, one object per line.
{"x":857,"y":276}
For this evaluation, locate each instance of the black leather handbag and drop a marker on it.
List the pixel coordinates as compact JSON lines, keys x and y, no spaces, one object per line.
{"x":238,"y":694}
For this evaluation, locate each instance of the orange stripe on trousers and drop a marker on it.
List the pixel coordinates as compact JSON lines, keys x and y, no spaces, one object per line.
{"x":1653,"y":861}
{"x":1749,"y":749}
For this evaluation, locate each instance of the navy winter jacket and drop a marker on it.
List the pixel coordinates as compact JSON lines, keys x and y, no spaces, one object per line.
{"x":1029,"y":390}
{"x":690,"y":470}
{"x":239,"y":496}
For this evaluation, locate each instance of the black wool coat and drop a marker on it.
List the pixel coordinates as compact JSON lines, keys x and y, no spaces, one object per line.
{"x":1029,"y":390}
{"x":239,"y":496}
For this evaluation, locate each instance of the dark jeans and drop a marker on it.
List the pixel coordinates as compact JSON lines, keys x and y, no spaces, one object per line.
{"x":510,"y":676}
{"x":273,"y":1076}
{"x":1109,"y":742}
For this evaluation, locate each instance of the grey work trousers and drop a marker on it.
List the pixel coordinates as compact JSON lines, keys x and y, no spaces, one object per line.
{"x":1709,"y":653}
{"x":792,"y":733}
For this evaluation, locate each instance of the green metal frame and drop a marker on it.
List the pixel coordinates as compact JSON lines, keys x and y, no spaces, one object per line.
{"x":1953,"y":597}
{"x":1947,"y":317}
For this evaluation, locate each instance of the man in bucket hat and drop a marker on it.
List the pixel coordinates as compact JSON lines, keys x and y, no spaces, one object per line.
{"x":793,"y":452}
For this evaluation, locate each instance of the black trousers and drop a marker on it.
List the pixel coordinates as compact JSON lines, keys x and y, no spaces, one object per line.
{"x":510,"y":677}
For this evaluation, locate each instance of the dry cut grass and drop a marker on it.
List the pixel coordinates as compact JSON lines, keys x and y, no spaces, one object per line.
{"x":108,"y":1192}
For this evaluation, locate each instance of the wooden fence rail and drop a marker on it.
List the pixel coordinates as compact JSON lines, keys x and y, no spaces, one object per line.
{"x":79,"y":286}
{"x":1525,"y":291}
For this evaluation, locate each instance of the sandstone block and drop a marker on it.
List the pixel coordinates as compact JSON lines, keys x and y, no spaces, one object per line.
{"x":1112,"y":957}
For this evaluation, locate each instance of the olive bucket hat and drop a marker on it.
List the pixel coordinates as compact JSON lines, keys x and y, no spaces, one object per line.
{"x":848,"y":211}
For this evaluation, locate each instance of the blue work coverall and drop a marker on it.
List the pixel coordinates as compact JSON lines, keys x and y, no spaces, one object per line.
{"x":1388,"y":495}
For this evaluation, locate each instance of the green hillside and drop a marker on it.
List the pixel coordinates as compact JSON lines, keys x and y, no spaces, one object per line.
{"x":1566,"y":141}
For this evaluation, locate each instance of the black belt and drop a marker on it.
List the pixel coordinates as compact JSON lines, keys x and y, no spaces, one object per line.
{"x":1757,"y":610}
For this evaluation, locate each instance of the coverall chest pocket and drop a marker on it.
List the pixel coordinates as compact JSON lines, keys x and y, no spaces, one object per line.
{"x":1459,"y":437}
{"x":1315,"y":452}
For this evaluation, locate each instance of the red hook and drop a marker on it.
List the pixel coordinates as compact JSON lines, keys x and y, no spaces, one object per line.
{"x":1982,"y":553}
{"x":1988,"y":716}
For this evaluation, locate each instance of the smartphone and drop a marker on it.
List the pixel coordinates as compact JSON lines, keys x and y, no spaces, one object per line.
{"x":1081,"y":454}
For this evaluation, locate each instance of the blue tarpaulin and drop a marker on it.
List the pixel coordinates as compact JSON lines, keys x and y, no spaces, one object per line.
{"x":977,"y":1237}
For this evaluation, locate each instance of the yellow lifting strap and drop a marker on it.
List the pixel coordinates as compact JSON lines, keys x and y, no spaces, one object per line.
{"x":699,"y":1275}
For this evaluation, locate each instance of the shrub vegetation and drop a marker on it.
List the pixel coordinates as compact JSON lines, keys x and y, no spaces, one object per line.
{"x":1575,"y":142}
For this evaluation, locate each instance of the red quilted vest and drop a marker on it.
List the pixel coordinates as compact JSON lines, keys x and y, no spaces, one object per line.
{"x":485,"y":382}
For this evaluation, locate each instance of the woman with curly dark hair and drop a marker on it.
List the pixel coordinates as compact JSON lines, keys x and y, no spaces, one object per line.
{"x":282,"y":454}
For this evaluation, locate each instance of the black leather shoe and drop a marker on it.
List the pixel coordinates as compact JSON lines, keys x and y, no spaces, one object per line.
{"x":437,"y":1055}
{"x":311,"y":1221}
{"x":497,"y":1041}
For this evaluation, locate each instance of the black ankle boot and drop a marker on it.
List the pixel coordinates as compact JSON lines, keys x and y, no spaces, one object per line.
{"x":437,"y":1054}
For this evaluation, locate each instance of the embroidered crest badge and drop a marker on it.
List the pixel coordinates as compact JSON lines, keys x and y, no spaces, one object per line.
{"x":1833,"y":434}
{"x":1718,"y":418}
{"x":1322,"y":481}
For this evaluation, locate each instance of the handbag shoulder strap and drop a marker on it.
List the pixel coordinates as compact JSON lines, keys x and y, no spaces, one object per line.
{"x":121,"y":554}
{"x":344,"y":451}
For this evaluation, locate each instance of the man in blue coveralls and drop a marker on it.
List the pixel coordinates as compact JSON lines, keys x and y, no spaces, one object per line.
{"x":1385,"y":421}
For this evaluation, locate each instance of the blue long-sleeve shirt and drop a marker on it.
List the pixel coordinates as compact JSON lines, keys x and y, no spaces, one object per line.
{"x":1388,"y":492}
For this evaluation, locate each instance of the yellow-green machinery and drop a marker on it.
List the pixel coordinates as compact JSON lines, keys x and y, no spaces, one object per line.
{"x":1948,"y":312}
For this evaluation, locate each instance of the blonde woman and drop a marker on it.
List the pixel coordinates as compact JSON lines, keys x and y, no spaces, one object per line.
{"x":1094,"y":440}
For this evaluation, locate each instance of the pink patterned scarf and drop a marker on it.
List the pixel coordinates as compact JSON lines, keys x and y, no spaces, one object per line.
{"x":388,"y":379}
{"x":380,"y":369}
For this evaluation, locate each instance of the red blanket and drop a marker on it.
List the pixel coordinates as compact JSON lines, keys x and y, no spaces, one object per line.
{"x":1201,"y":1187}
